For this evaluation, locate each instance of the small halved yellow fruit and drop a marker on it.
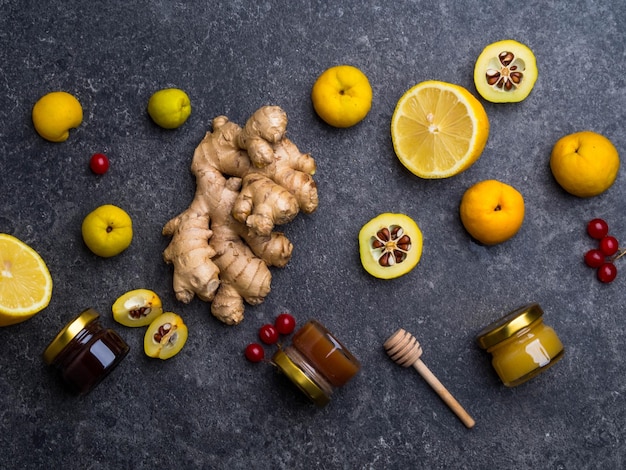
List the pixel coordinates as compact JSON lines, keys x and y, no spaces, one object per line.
{"x":585,"y":164}
{"x":492,"y":211}
{"x":25,"y":282}
{"x":342,"y":96}
{"x":137,"y":307}
{"x":55,"y":114}
{"x":438,"y":129}
{"x":165,"y":336}
{"x":505,"y":72}
{"x":390,"y":245}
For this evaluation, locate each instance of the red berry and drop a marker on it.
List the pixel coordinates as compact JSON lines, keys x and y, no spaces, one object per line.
{"x":607,"y":272}
{"x":268,"y":334}
{"x":609,"y":245}
{"x":99,"y":163}
{"x":594,"y":258}
{"x":254,"y":352}
{"x":597,"y":228}
{"x":285,"y":323}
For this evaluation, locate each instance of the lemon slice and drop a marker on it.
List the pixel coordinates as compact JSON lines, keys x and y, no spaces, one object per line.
{"x":438,"y":129}
{"x":25,"y":282}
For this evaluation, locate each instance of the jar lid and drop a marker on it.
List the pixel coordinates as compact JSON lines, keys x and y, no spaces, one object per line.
{"x":298,"y":377}
{"x":508,"y":325}
{"x":68,"y":333}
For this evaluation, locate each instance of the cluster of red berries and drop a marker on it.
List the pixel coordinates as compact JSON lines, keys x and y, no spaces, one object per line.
{"x":268,"y":334}
{"x":608,"y":251}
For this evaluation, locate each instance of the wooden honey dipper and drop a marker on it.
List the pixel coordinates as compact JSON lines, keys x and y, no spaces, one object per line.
{"x":404,"y":349}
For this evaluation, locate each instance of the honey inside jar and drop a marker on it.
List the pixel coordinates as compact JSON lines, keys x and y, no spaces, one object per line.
{"x":522,"y":346}
{"x":316,"y":362}
{"x":84,"y":352}
{"x":326,"y":353}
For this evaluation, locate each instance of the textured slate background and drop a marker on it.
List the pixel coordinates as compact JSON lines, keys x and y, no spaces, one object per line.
{"x":208,"y":407}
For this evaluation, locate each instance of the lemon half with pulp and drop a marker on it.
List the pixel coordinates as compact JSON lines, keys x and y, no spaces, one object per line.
{"x":25,"y":282}
{"x":438,"y":129}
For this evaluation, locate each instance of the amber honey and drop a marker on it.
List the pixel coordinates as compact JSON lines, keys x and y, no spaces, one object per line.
{"x":316,"y":362}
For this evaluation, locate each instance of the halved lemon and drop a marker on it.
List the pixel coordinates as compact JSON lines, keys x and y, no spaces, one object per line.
{"x":25,"y":282}
{"x":438,"y":129}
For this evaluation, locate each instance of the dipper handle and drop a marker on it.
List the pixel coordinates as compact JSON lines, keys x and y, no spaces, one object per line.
{"x":404,"y":349}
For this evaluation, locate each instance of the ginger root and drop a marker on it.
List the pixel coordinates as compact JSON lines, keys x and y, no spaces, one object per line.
{"x":248,"y":180}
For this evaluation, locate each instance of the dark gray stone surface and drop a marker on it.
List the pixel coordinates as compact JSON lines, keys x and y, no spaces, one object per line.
{"x":208,"y":407}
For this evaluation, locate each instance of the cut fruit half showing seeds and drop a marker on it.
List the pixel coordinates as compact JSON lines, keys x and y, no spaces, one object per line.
{"x":505,"y":72}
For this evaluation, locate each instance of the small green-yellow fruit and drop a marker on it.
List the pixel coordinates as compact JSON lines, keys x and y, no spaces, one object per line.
{"x":169,"y":108}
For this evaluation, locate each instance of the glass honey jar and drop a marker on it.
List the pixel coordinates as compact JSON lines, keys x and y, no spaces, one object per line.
{"x":521,"y":345}
{"x":316,"y":362}
{"x":84,"y":352}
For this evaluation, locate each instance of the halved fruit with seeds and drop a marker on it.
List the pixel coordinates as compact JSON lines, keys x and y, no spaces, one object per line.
{"x":25,"y":282}
{"x":165,"y":336}
{"x":505,"y":72}
{"x":390,"y":245}
{"x":137,"y":307}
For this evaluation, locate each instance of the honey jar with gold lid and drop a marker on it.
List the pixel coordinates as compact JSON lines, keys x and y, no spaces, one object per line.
{"x":84,"y":352}
{"x":521,"y":345}
{"x":316,"y":362}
